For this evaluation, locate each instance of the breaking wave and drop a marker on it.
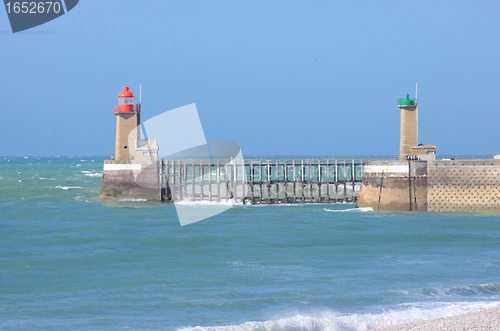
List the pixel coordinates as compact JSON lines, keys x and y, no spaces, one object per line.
{"x":67,"y":187}
{"x":334,"y":321}
{"x":361,"y":209}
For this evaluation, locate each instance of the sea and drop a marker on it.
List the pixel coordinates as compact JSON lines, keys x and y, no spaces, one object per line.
{"x":70,"y":262}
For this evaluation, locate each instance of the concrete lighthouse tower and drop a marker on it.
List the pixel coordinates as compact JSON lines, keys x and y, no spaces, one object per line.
{"x":409,"y":126}
{"x":127,"y":120}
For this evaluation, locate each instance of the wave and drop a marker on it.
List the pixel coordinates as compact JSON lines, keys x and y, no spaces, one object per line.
{"x":223,"y":202}
{"x":361,"y":209}
{"x":483,"y":290}
{"x":133,"y":200}
{"x":67,"y":187}
{"x":47,"y":178}
{"x":297,"y":204}
{"x":97,"y":174}
{"x":90,"y":173}
{"x":335,"y":321}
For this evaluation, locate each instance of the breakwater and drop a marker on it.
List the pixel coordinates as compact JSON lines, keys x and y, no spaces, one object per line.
{"x":387,"y":185}
{"x":438,"y":185}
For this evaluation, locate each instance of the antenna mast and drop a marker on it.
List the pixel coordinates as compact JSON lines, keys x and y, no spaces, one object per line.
{"x":416,"y":89}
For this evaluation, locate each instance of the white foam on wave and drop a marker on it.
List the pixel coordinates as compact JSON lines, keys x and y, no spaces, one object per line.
{"x":42,"y":178}
{"x":230,"y":202}
{"x":133,"y":200}
{"x":97,"y":174}
{"x":91,"y":173}
{"x":491,"y":291}
{"x":361,"y":209}
{"x":334,"y":321}
{"x":299,"y":204}
{"x":67,"y":187}
{"x":277,"y":204}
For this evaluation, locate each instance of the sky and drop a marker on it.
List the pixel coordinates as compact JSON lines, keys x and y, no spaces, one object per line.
{"x":276,"y":77}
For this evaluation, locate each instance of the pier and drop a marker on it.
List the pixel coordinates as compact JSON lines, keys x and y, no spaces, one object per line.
{"x":257,"y":181}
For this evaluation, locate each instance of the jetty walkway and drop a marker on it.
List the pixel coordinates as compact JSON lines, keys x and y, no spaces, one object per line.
{"x":257,"y":181}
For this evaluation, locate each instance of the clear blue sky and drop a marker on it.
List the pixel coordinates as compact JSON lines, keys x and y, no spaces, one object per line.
{"x":277,"y":77}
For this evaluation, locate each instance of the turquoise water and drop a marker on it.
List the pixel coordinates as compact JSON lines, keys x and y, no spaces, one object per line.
{"x":68,"y":261}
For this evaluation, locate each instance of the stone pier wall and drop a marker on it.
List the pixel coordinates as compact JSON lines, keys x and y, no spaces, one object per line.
{"x":387,"y":186}
{"x":127,"y":180}
{"x":441,"y":185}
{"x":463,"y":185}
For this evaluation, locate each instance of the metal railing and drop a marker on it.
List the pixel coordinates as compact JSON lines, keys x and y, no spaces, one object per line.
{"x":115,"y":109}
{"x":263,"y":181}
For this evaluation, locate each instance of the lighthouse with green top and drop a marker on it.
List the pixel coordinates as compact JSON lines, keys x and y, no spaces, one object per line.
{"x":409,"y":126}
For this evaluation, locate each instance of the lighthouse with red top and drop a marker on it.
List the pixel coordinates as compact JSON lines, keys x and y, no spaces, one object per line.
{"x":134,"y":173}
{"x":128,"y":120}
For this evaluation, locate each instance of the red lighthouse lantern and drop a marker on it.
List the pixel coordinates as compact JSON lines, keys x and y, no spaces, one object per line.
{"x":125,"y":101}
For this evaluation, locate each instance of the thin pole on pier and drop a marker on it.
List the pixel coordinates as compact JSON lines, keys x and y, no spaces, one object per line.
{"x":314,"y":166}
{"x":380,"y":192}
{"x":268,"y":182}
{"x":415,"y":193}
{"x":234,"y":192}
{"x":209,"y":180}
{"x":179,"y":178}
{"x":193,"y":180}
{"x":202,"y":179}
{"x":217,"y":169}
{"x":310,"y":180}
{"x":294,"y":187}
{"x":183,"y":185}
{"x":409,"y":180}
{"x":251,"y":181}
{"x":277,"y":172}
{"x":159,"y":164}
{"x":174,"y":187}
{"x":353,"y":175}
{"x":345,"y":183}
{"x":336,"y":182}
{"x":302,"y":181}
{"x":260,"y":181}
{"x":176,"y":196}
{"x":327,"y":181}
{"x":319,"y":182}
{"x":226,"y":175}
{"x":285,"y":177}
